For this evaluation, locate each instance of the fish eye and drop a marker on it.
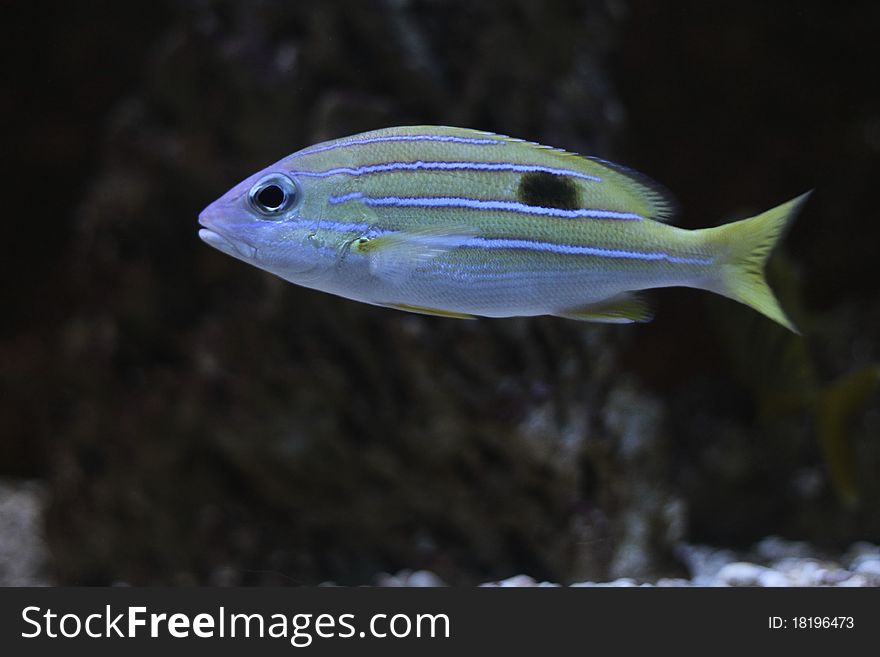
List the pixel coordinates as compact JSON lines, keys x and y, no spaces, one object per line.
{"x":273,"y":195}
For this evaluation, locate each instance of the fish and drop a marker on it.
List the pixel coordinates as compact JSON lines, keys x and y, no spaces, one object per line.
{"x":782,"y":373}
{"x":462,"y":223}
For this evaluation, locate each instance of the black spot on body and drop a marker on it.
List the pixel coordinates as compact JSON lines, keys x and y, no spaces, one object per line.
{"x":548,"y":190}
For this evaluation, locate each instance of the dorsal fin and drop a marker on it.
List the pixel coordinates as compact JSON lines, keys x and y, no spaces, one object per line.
{"x":659,"y":199}
{"x":652,"y":199}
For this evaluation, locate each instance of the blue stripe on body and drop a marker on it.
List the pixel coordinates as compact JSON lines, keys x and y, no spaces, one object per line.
{"x":443,"y":166}
{"x":575,"y":249}
{"x":332,"y":226}
{"x":490,"y":243}
{"x":479,"y":204}
{"x":477,"y":141}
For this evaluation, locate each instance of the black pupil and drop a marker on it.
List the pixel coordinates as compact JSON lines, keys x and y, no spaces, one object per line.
{"x":271,"y":197}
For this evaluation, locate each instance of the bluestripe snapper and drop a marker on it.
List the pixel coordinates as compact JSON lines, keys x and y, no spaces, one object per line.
{"x":463,"y":223}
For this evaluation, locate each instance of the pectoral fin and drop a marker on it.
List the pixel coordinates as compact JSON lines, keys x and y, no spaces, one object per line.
{"x":394,"y":256}
{"x":622,"y":309}
{"x":437,"y":312}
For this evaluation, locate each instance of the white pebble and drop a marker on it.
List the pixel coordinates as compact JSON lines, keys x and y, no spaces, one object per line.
{"x":424,"y":578}
{"x":740,"y":573}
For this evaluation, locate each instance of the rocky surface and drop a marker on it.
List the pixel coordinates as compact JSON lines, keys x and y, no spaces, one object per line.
{"x":771,"y":562}
{"x":24,"y":555}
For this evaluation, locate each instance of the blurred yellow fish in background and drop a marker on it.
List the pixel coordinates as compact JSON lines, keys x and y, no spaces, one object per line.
{"x":780,"y":371}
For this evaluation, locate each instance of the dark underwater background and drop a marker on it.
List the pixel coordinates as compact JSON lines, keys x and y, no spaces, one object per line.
{"x":169,"y":415}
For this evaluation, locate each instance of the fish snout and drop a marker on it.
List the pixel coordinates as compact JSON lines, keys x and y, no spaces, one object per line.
{"x":210,"y":218}
{"x":217,"y":233}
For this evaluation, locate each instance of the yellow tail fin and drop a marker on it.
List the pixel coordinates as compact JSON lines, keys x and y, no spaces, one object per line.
{"x":744,"y":246}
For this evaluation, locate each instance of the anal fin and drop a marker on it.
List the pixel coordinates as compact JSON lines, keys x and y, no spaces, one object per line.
{"x":436,"y":312}
{"x":622,"y":309}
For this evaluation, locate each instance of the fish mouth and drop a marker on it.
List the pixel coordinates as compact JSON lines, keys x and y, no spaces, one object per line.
{"x":236,"y":248}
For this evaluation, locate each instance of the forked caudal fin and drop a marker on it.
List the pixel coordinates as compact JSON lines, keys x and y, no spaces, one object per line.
{"x":745,"y":246}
